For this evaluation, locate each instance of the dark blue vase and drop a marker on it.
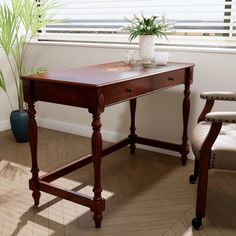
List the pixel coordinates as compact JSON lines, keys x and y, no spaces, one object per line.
{"x":19,"y":126}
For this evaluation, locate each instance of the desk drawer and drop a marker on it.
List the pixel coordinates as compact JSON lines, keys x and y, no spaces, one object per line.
{"x":126,"y":90}
{"x":168,"y":79}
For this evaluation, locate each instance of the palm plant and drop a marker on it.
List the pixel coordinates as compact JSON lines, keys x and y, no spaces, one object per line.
{"x":19,"y":23}
{"x":155,"y":25}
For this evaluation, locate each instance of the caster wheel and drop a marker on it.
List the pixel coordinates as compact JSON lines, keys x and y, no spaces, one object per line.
{"x":192,"y":179}
{"x":196,"y":223}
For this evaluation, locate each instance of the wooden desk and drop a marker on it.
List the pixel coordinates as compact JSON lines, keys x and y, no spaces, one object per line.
{"x":94,"y":88}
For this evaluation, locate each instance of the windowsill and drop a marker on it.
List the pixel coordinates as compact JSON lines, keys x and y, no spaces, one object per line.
{"x":181,"y":48}
{"x":174,"y":43}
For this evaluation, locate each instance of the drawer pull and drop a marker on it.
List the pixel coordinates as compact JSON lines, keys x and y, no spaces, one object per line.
{"x":171,"y":79}
{"x":130,"y":90}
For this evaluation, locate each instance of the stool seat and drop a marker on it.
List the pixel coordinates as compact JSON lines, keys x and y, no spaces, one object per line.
{"x":214,"y":146}
{"x":223,"y":151}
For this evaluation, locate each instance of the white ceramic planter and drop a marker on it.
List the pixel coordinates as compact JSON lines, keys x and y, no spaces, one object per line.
{"x":146,"y":48}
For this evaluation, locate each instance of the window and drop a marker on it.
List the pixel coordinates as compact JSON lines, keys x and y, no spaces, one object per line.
{"x":101,"y":20}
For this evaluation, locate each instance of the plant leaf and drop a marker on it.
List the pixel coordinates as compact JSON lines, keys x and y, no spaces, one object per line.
{"x":2,"y":82}
{"x":36,"y":71}
{"x":155,"y":25}
{"x":35,"y":16}
{"x":19,"y":22}
{"x":8,"y":25}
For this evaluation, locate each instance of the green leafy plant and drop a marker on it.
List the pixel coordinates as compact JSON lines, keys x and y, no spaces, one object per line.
{"x":155,"y":25}
{"x":19,"y":23}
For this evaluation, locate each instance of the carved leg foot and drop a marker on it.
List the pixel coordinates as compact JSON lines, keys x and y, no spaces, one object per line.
{"x":36,"y":196}
{"x":132,"y":148}
{"x":184,"y":152}
{"x":36,"y":193}
{"x":98,"y":219}
{"x":183,"y":160}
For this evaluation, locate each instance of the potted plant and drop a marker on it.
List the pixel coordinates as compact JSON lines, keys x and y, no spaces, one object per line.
{"x":147,"y":28}
{"x":19,"y":23}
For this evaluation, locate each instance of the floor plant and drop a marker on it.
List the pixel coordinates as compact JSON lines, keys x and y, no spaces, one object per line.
{"x":20,"y":21}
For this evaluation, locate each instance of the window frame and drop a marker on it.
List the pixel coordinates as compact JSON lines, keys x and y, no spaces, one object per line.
{"x":226,"y":41}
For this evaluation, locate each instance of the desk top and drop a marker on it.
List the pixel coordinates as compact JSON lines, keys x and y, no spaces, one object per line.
{"x":104,"y":74}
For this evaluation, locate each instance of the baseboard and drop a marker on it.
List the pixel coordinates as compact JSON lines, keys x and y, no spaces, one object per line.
{"x":4,"y":125}
{"x":77,"y":129}
{"x":86,"y":131}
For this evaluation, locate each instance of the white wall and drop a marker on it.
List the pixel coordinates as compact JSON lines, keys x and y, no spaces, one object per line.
{"x":5,"y":107}
{"x":158,"y":115}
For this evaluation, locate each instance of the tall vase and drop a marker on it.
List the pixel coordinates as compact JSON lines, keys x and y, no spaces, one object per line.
{"x":19,"y":125}
{"x":146,"y":48}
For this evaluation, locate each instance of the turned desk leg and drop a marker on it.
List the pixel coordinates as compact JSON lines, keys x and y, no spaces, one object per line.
{"x":33,"y":136}
{"x":186,"y":110}
{"x":132,"y":135}
{"x":97,"y":156}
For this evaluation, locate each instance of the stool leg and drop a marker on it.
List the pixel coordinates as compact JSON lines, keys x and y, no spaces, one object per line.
{"x":201,"y":191}
{"x":203,"y":173}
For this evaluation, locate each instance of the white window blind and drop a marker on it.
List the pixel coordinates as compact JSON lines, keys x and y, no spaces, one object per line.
{"x":193,"y":18}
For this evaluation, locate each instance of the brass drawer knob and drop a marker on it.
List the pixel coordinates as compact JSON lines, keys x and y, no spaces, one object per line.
{"x":171,"y":79}
{"x":130,"y":90}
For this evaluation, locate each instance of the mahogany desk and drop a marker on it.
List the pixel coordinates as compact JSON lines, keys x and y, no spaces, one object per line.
{"x":94,"y":88}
